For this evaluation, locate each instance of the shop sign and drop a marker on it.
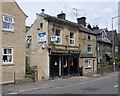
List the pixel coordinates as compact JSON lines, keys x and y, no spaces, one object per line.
{"x":42,"y":37}
{"x":64,"y":51}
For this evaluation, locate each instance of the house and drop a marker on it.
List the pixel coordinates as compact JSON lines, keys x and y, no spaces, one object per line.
{"x":12,"y":42}
{"x":58,"y":47}
{"x":109,"y":35}
{"x":104,"y":44}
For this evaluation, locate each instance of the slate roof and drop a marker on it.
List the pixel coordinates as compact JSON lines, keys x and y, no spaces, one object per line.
{"x":67,"y":22}
{"x":105,"y":40}
{"x":109,"y":36}
{"x":97,"y":31}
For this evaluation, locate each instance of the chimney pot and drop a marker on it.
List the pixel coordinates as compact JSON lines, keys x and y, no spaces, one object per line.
{"x":42,"y":11}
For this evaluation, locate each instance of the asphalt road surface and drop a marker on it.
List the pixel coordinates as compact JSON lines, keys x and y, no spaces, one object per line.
{"x":103,"y":85}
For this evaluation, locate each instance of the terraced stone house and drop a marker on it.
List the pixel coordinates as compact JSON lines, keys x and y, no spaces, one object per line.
{"x":12,"y":42}
{"x":58,"y":47}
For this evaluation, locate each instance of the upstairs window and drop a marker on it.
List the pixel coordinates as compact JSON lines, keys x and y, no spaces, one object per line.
{"x":29,"y":39}
{"x":8,"y":23}
{"x":89,"y":37}
{"x":58,"y":34}
{"x":72,"y":39}
{"x":89,"y":48}
{"x":7,"y":55}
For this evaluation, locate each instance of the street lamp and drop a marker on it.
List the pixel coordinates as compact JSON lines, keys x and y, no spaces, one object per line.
{"x":113,"y":43}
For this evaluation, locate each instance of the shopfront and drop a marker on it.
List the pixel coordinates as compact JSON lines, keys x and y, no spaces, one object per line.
{"x":64,"y":62}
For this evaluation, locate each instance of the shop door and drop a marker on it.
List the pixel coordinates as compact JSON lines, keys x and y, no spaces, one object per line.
{"x":55,"y":66}
{"x":65,"y":66}
{"x":74,"y":65}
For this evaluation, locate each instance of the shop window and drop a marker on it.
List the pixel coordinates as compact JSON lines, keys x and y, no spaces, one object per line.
{"x":59,"y":36}
{"x":7,"y":55}
{"x":88,"y":64}
{"x":8,"y":23}
{"x":89,"y":48}
{"x":72,"y":39}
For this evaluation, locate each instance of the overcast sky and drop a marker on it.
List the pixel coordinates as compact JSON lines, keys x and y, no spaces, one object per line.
{"x":97,"y":13}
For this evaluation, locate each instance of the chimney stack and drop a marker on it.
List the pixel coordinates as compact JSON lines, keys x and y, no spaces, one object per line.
{"x":82,"y":20}
{"x":61,"y":15}
{"x":95,"y":27}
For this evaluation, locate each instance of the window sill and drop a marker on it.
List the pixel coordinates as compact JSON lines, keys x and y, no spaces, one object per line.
{"x":72,"y":45}
{"x":6,"y":30}
{"x":89,"y":52}
{"x":58,"y":44}
{"x":88,"y":67}
{"x":8,"y":64}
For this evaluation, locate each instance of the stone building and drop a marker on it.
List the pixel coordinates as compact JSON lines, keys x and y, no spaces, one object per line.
{"x":13,"y":42}
{"x":59,"y":47}
{"x":104,"y":44}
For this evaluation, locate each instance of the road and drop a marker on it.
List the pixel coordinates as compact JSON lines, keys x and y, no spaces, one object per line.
{"x":102,"y":85}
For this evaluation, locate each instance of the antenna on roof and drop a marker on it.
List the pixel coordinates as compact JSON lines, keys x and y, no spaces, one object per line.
{"x":65,"y":6}
{"x":76,"y":12}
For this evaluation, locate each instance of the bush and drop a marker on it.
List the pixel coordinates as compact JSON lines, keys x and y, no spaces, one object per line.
{"x":105,"y":65}
{"x":117,"y":62}
{"x":30,"y":72}
{"x":109,"y":64}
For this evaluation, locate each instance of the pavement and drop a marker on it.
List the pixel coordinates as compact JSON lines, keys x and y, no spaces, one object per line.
{"x":40,"y":85}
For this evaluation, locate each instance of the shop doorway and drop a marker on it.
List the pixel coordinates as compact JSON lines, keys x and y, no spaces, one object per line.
{"x":74,"y":65}
{"x":65,"y":66}
{"x":55,"y":66}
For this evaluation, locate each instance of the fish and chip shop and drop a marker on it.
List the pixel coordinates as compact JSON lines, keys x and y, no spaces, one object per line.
{"x":63,"y":62}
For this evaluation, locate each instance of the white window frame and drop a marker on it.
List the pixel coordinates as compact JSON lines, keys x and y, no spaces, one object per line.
{"x":29,"y":39}
{"x":8,"y":22}
{"x":88,"y":64}
{"x":11,"y":54}
{"x":91,"y":48}
{"x":116,"y":48}
{"x":90,"y":37}
{"x":60,"y":37}
{"x":73,"y":39}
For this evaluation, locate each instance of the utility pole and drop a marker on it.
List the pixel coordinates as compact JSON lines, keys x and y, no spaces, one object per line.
{"x":113,"y":44}
{"x":113,"y":47}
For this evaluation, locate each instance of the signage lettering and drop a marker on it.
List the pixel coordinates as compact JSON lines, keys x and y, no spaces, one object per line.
{"x":65,"y":51}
